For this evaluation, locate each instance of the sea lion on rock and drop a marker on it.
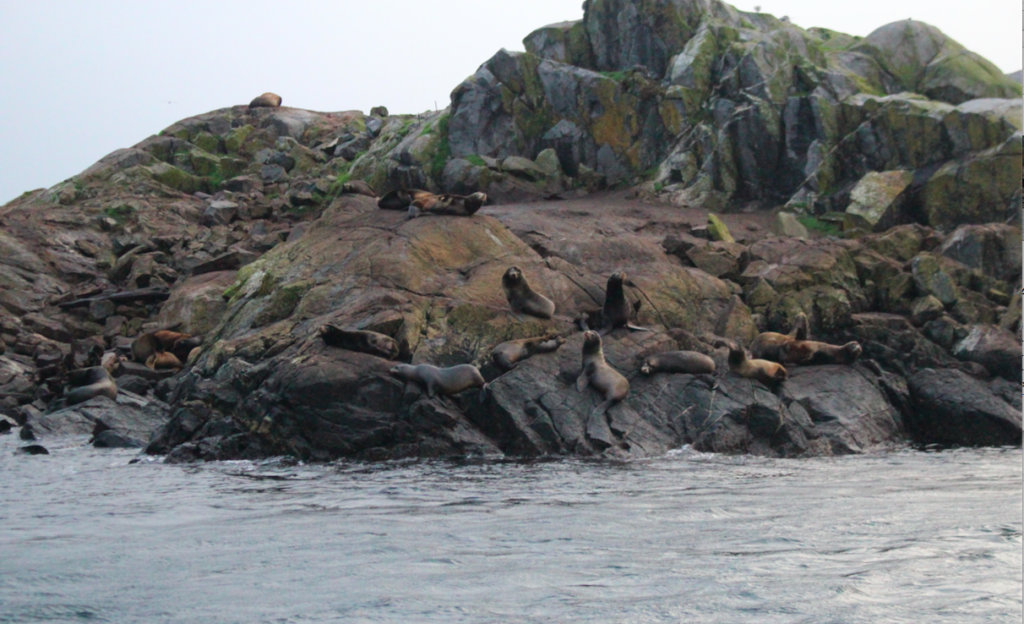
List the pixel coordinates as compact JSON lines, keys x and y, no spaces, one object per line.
{"x":450,"y":205}
{"x":443,"y":381}
{"x":88,"y":383}
{"x":146,"y":345}
{"x":766,"y":345}
{"x":616,"y":310}
{"x":400,"y":199}
{"x":597,"y":373}
{"x":358,"y":187}
{"x":267,"y":100}
{"x":507,"y":355}
{"x":360,"y":340}
{"x":164,"y":360}
{"x":812,"y":352}
{"x":687,"y":362}
{"x":764,"y":371}
{"x":522,"y":298}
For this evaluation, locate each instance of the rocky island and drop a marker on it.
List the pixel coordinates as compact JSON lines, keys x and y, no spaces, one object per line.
{"x":740,"y":170}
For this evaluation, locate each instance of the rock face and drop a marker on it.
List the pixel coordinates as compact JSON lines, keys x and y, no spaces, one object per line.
{"x":952,"y":408}
{"x":891,"y":162}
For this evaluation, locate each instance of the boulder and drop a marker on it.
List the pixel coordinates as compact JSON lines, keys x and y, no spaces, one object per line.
{"x":877,"y":198}
{"x":786,"y":224}
{"x":131,"y":417}
{"x":847,"y":405}
{"x":953,"y":408}
{"x":996,"y":349}
{"x":993,"y":248}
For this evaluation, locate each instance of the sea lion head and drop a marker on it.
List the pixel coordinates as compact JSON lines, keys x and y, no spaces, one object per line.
{"x":617,"y":278}
{"x":591,"y":342}
{"x":852,"y":351}
{"x":402,"y":371}
{"x":512,"y":276}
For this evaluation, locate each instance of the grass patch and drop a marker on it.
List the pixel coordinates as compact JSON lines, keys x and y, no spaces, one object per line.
{"x":443,"y":151}
{"x":476,"y":160}
{"x":120,"y":214}
{"x":817,"y":225}
{"x":216,"y":178}
{"x":658,"y":186}
{"x":617,"y":76}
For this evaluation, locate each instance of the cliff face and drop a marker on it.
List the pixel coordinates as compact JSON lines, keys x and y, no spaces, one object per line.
{"x":900,"y":150}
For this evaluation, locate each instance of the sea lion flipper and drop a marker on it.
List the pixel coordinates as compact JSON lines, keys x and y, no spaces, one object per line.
{"x":582,"y":381}
{"x":633,"y":327}
{"x":413,"y":211}
{"x":483,"y":394}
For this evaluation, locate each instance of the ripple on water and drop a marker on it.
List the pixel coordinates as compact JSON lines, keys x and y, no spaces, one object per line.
{"x":905,"y":537}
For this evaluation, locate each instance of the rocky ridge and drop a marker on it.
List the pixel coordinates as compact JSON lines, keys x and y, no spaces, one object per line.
{"x":232,"y":225}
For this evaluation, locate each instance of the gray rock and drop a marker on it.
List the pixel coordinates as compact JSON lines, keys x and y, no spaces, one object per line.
{"x":846,"y":404}
{"x":272,"y":173}
{"x":996,"y":349}
{"x":954,"y":408}
{"x":220,"y":212}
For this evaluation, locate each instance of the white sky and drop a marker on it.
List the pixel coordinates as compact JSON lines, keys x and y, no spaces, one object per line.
{"x":81,"y":79}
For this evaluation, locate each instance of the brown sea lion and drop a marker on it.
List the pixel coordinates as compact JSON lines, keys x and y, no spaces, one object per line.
{"x":597,"y":373}
{"x":764,"y":371}
{"x":450,"y":205}
{"x":507,"y":355}
{"x":360,"y":340}
{"x":88,"y":383}
{"x":687,"y":362}
{"x":522,"y":298}
{"x":144,"y":346}
{"x":616,"y":310}
{"x":267,"y":100}
{"x":443,"y":381}
{"x":766,"y":345}
{"x":400,"y":199}
{"x":164,"y":360}
{"x":812,"y":352}
{"x":358,"y":187}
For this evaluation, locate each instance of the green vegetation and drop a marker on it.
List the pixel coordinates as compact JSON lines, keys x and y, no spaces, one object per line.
{"x":817,"y":225}
{"x":443,"y":151}
{"x":617,"y":76}
{"x":120,"y":214}
{"x":476,"y":160}
{"x":658,"y":186}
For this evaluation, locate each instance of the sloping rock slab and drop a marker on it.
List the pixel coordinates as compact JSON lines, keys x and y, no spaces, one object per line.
{"x":846,"y":404}
{"x":954,"y":408}
{"x":133,"y":418}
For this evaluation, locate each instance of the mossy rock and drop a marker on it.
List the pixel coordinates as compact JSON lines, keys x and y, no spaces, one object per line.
{"x":718,"y":230}
{"x":175,"y":178}
{"x":233,"y":141}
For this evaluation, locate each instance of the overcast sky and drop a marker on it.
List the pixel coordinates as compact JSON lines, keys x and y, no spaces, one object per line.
{"x":81,"y":79}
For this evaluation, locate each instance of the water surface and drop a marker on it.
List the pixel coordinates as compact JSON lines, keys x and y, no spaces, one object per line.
{"x":904,"y":536}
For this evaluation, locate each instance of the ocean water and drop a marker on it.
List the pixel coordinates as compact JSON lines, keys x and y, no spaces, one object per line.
{"x":902,"y":536}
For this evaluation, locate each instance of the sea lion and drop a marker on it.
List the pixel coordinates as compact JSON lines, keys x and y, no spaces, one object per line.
{"x":88,"y":383}
{"x":616,"y":310}
{"x":358,"y":187}
{"x":813,"y":352}
{"x":766,"y":345}
{"x":522,"y":298}
{"x":144,"y":346}
{"x":164,"y":360}
{"x":764,"y":371}
{"x":688,"y":362}
{"x":360,"y":340}
{"x":267,"y":100}
{"x":450,"y":205}
{"x":400,"y":199}
{"x":507,"y":355}
{"x":443,"y":381}
{"x":597,"y":373}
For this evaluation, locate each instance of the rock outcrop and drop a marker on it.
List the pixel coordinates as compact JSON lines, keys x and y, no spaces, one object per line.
{"x":889,"y":164}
